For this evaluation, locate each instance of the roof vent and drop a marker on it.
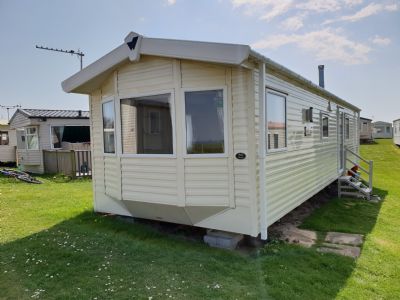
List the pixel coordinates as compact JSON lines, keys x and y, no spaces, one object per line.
{"x":79,"y":113}
{"x":321,"y":76}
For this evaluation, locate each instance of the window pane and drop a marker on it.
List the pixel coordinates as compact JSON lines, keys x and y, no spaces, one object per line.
{"x":146,"y":125}
{"x":57,"y":136}
{"x":347,"y":127}
{"x":69,"y":134}
{"x":325,"y":127}
{"x":32,"y":142}
{"x":204,"y":111}
{"x":276,"y":120}
{"x":108,"y":127}
{"x":31,"y":130}
{"x":21,"y":139}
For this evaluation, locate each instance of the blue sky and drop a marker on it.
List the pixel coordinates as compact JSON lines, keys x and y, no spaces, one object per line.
{"x":357,"y":40}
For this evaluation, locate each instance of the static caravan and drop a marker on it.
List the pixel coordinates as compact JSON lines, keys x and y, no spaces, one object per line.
{"x":382,"y":130}
{"x":208,"y":134}
{"x":396,"y":132}
{"x":43,"y":129}
{"x":365,"y":130}
{"x":8,"y":143}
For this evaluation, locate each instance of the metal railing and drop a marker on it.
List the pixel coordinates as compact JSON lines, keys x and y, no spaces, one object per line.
{"x":367,"y":170}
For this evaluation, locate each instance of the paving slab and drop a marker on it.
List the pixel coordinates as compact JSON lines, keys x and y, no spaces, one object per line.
{"x":350,"y":251}
{"x":344,"y":238}
{"x":294,"y":235}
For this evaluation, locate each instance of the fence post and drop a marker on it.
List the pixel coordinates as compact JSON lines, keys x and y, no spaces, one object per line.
{"x":73,"y":162}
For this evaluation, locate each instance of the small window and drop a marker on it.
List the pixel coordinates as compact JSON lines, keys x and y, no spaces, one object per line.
{"x":325,"y":126}
{"x":32,"y":138}
{"x":387,"y":129}
{"x":146,"y":126}
{"x":347,"y":127}
{"x":69,"y":134}
{"x":109,"y":127}
{"x":205,"y":122}
{"x":4,"y":140}
{"x":276,"y":120}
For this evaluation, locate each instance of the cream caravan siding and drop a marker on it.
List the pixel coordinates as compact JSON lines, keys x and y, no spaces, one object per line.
{"x":310,"y":162}
{"x":8,"y":152}
{"x":396,"y":132}
{"x":177,"y":179}
{"x":19,"y":121}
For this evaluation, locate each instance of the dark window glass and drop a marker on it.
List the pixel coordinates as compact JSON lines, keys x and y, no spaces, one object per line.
{"x":276,"y":119}
{"x":109,"y":127}
{"x":347,"y":127}
{"x":146,"y":125}
{"x":204,"y":122}
{"x":325,"y":126}
{"x":69,"y":134}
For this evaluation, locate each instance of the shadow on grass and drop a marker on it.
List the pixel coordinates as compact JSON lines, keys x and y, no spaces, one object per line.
{"x":346,"y":215}
{"x":100,"y":256}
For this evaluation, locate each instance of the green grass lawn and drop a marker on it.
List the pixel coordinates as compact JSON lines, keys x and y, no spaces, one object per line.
{"x":53,"y":247}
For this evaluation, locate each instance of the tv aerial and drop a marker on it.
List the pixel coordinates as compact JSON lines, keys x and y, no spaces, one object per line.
{"x":78,"y":53}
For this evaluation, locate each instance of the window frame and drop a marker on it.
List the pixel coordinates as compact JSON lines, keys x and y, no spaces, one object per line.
{"x":226,"y":121}
{"x":51,"y":131}
{"x":26,"y":137}
{"x":103,"y":101}
{"x":173,"y":121}
{"x":8,"y":137}
{"x":285,"y":96}
{"x":324,"y":114}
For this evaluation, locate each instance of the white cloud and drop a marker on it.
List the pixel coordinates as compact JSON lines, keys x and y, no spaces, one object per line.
{"x":326,"y":44}
{"x":367,"y":11}
{"x":171,"y":2}
{"x":320,"y":5}
{"x":293,"y":23}
{"x":266,"y":9}
{"x":380,"y":41}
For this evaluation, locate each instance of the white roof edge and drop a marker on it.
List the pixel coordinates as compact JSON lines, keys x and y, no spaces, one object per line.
{"x":303,"y":80}
{"x":234,"y":54}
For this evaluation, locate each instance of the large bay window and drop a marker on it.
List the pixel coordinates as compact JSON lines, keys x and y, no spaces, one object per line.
{"x":69,"y":134}
{"x":108,"y":127}
{"x":205,"y":122}
{"x":146,"y":125}
{"x":275,"y":112}
{"x":32,"y":138}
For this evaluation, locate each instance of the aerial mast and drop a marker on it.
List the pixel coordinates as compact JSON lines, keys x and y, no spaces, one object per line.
{"x":78,"y":53}
{"x":8,"y":107}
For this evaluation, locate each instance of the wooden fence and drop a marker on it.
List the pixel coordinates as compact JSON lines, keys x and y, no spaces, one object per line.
{"x":75,"y":163}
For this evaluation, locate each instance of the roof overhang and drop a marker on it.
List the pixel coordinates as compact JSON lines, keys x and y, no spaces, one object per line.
{"x":91,"y":77}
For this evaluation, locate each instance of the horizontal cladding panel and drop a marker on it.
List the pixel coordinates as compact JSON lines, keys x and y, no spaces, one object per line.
{"x":202,"y":74}
{"x":207,"y":200}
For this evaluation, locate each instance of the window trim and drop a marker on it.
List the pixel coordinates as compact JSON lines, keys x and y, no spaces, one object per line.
{"x":105,"y":100}
{"x":324,"y":114}
{"x":26,"y":137}
{"x":51,"y":133}
{"x":173,"y":121}
{"x":226,"y":122}
{"x":8,"y":137}
{"x":284,"y":95}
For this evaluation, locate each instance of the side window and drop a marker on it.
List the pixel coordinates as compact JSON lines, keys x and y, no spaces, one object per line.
{"x":324,"y":125}
{"x":108,"y":127}
{"x":4,"y":138}
{"x":205,"y":122}
{"x":347,"y":127}
{"x":32,"y":138}
{"x":146,"y":126}
{"x":275,"y":120}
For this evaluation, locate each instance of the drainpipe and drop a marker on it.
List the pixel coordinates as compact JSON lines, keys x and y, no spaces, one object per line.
{"x":261,"y":154}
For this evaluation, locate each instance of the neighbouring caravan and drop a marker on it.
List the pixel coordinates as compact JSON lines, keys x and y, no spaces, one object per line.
{"x":396,"y":132}
{"x":208,"y":134}
{"x":8,"y":143}
{"x":365,"y":130}
{"x":382,"y":130}
{"x":42,"y":129}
